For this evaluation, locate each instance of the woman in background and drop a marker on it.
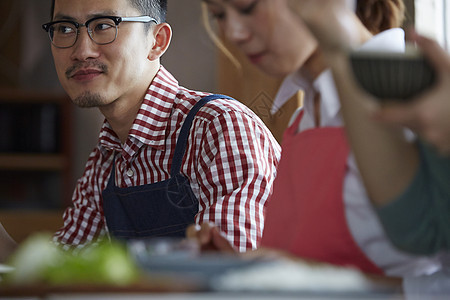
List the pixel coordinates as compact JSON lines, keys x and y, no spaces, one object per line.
{"x":415,"y":212}
{"x":319,"y":209}
{"x":388,"y":156}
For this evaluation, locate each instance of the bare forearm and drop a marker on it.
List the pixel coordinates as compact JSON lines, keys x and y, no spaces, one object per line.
{"x":387,"y":161}
{"x":7,"y":244}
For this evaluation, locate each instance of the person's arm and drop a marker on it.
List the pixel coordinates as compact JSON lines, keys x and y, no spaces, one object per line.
{"x":7,"y":244}
{"x":429,"y":113}
{"x":236,"y":167}
{"x":387,"y":161}
{"x":83,"y":221}
{"x":410,"y":189}
{"x":419,"y":221}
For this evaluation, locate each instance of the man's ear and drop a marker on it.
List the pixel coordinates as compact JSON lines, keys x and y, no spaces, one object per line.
{"x":162,"y":35}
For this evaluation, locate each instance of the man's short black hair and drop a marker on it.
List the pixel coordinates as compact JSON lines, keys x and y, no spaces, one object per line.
{"x":153,"y":8}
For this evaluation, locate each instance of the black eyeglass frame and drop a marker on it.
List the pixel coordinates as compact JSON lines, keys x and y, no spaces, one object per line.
{"x":115,"y":19}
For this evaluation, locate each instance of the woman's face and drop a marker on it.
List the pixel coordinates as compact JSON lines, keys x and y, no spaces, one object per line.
{"x":266,"y":31}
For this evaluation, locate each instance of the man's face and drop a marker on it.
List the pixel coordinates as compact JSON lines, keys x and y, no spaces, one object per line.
{"x":97,"y":75}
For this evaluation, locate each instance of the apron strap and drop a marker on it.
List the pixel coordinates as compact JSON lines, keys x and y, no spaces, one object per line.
{"x":112,"y":176}
{"x":180,"y":148}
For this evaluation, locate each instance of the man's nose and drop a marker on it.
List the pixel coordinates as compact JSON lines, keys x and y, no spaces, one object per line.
{"x":84,"y":47}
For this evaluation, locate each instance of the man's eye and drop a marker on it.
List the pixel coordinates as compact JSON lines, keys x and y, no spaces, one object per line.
{"x":102,"y":26}
{"x":65,"y":29}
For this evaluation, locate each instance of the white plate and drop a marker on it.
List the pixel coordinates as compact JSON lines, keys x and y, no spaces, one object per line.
{"x":182,"y":258}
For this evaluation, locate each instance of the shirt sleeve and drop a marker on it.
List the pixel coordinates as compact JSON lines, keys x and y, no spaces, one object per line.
{"x":237,"y":166}
{"x":419,"y":220}
{"x":83,"y":222}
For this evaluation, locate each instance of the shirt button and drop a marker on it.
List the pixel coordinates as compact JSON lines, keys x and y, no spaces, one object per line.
{"x":130,"y":173}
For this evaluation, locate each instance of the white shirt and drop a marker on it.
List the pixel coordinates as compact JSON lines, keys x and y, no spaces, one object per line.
{"x":361,"y":217}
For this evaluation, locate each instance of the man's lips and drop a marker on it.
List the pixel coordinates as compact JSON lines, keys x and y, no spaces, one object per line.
{"x":86,"y":74}
{"x":86,"y":71}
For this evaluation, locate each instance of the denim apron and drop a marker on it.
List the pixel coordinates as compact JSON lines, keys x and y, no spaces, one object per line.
{"x":163,"y":208}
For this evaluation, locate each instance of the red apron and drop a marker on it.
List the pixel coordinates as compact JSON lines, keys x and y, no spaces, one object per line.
{"x":306,"y":214}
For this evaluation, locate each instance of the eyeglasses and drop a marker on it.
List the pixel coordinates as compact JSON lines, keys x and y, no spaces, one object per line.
{"x":102,"y":30}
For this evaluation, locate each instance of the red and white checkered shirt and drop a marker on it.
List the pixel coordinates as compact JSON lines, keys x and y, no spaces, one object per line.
{"x":230,"y":161}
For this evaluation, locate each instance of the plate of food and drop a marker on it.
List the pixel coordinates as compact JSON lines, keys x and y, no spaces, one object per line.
{"x":178,"y":257}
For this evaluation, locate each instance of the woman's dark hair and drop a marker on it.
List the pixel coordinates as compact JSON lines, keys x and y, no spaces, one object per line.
{"x":153,"y":8}
{"x":379,"y":15}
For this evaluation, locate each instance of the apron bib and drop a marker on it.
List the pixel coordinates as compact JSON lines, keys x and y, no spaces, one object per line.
{"x":306,"y":213}
{"x":163,"y":208}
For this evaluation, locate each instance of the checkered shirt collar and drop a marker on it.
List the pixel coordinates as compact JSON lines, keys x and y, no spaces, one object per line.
{"x":152,"y":120}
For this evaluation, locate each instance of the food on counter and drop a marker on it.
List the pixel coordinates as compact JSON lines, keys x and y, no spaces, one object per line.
{"x":38,"y":260}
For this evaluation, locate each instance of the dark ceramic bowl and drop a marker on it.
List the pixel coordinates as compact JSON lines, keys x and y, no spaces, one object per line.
{"x":392,"y":76}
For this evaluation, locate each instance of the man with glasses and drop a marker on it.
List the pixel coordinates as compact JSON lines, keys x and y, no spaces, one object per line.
{"x":167,"y":156}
